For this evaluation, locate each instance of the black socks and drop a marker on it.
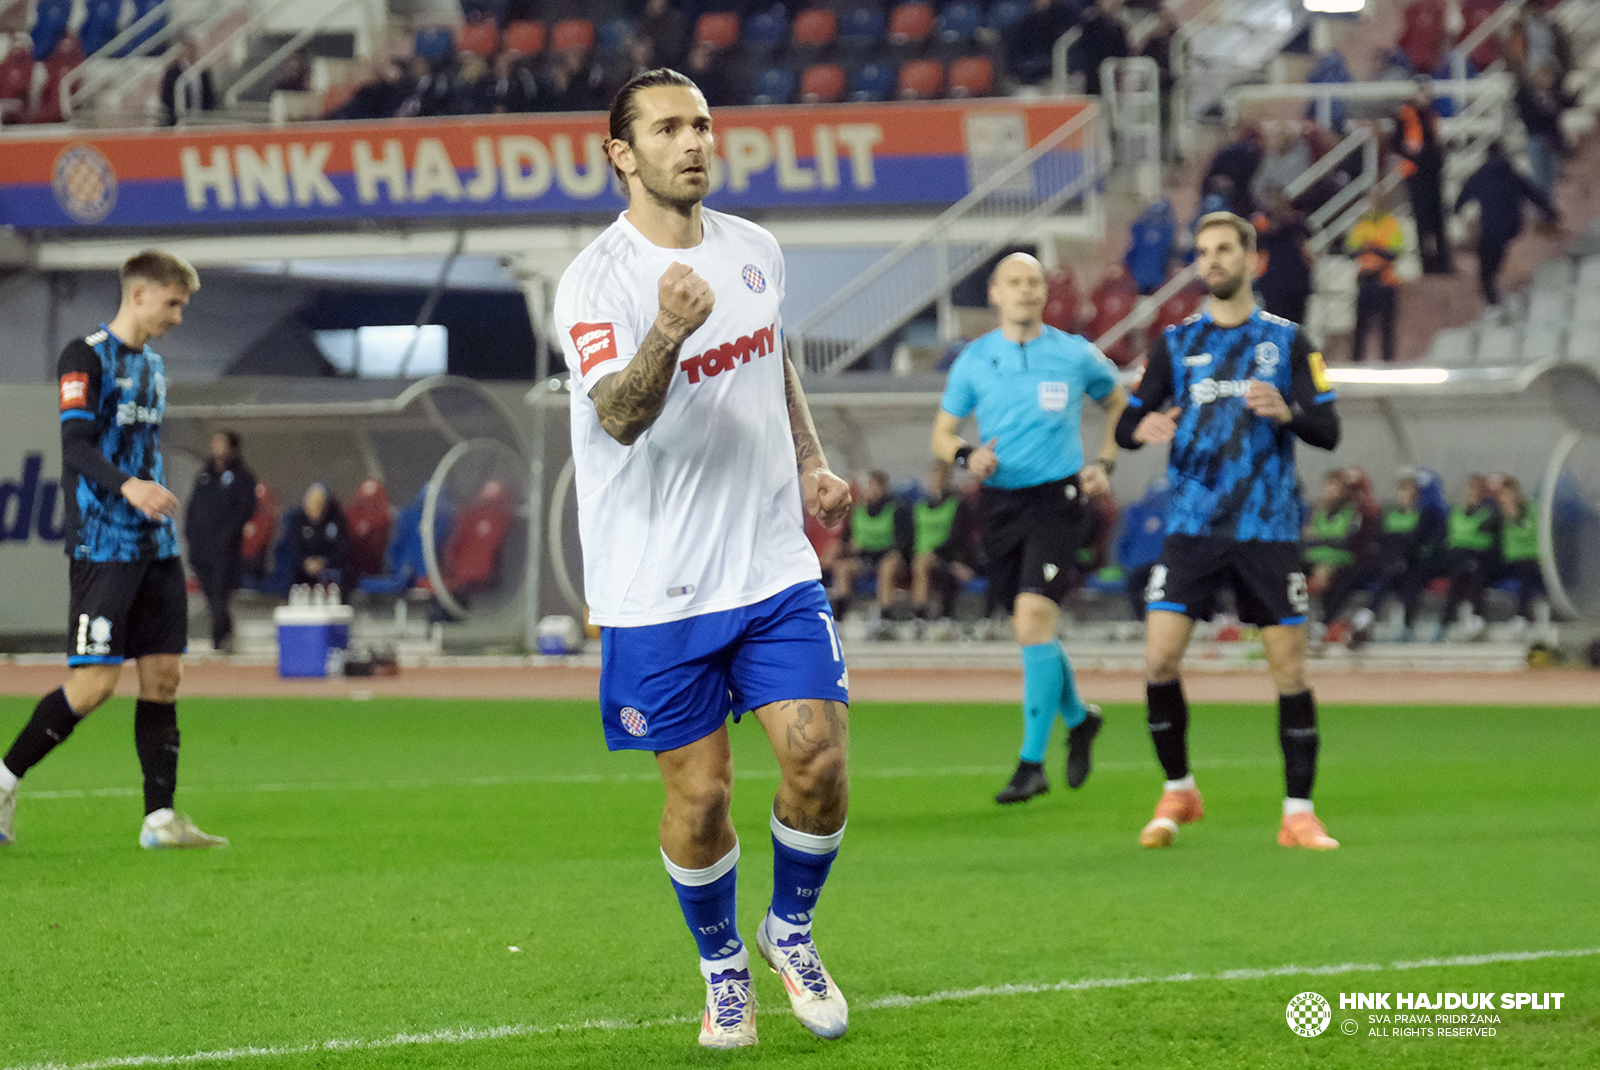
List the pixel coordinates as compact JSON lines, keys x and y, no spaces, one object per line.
{"x":1297,"y":732}
{"x":155,"y":737}
{"x":52,"y":722}
{"x":1169,"y":727}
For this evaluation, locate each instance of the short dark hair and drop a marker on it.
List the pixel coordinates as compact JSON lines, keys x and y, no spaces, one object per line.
{"x":163,"y":269}
{"x":625,"y":107}
{"x":231,"y":435}
{"x":1241,"y":226}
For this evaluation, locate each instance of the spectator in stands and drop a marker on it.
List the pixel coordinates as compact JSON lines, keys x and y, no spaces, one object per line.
{"x":1331,"y":68}
{"x":1471,"y":555}
{"x":1283,"y":246}
{"x":1536,"y":40}
{"x":1401,"y":562}
{"x":511,"y":86}
{"x":199,"y":95}
{"x":1500,"y":190}
{"x":1416,"y":142}
{"x":294,"y":76}
{"x":222,"y":501}
{"x":638,"y":55}
{"x":665,"y":25}
{"x":1158,"y":47}
{"x":471,"y":86}
{"x":944,"y":545}
{"x":318,"y":539}
{"x":880,"y":540}
{"x":1104,"y":37}
{"x":710,"y":73}
{"x":1030,"y":42}
{"x":575,"y":81}
{"x":1334,"y":535}
{"x":1150,"y":246}
{"x":1286,"y":159}
{"x":1519,"y":546}
{"x":432,"y":89}
{"x":1237,"y":161}
{"x":1540,"y":102}
{"x":380,"y":96}
{"x":1376,"y":241}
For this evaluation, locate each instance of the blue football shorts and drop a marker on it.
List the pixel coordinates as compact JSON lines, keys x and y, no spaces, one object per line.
{"x":663,"y":686}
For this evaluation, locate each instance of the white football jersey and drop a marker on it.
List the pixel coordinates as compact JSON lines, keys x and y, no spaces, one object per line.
{"x":703,"y":512}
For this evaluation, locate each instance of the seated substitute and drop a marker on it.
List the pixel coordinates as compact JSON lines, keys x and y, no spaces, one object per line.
{"x":879,"y":542}
{"x":944,"y":532}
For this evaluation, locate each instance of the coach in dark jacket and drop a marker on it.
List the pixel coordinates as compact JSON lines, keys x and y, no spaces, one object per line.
{"x":319,"y":539}
{"x":1500,"y":190}
{"x":223,"y":500}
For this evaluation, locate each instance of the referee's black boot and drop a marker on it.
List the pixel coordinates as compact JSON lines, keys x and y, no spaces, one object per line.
{"x":1029,"y":780}
{"x":1080,"y":745}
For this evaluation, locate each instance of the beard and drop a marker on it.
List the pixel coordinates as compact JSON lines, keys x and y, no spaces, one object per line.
{"x":1227,"y":288}
{"x":665,"y":188}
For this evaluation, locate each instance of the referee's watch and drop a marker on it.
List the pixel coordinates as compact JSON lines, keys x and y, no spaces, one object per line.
{"x":962,"y":453}
{"x":1106,"y":463}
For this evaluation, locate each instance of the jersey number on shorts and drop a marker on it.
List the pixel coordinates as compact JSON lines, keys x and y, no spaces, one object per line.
{"x":1299,"y":599}
{"x":1156,"y":589}
{"x":833,"y":636}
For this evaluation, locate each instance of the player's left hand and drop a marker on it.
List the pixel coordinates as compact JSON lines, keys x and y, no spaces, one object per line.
{"x":827,"y":497}
{"x":1093,"y":481}
{"x":1263,"y":399}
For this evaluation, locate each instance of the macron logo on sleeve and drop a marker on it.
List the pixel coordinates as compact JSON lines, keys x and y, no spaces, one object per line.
{"x":596,"y":342}
{"x":74,"y":390}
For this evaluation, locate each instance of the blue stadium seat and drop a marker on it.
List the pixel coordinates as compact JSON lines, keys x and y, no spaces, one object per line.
{"x":435,"y":43}
{"x":141,"y":8}
{"x":861,"y":27}
{"x":612,"y":37}
{"x":872,"y":82}
{"x":765,"y":32}
{"x":958,"y":22}
{"x":773,"y":85}
{"x":99,"y":24}
{"x":405,"y":558}
{"x":49,"y":27}
{"x":1004,"y":14}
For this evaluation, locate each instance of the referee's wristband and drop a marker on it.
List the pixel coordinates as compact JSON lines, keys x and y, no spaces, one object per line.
{"x":962,"y":453}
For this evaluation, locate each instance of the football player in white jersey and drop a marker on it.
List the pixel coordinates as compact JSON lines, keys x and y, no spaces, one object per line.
{"x":695,"y":454}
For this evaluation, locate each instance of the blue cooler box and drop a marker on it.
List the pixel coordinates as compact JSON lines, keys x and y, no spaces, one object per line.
{"x":312,"y":639}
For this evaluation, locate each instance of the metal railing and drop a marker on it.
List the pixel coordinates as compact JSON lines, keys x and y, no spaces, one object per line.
{"x":1064,"y":165}
{"x":250,"y":78}
{"x":109,"y":64}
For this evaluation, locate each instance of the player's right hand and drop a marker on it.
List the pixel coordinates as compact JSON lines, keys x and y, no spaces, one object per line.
{"x":152,"y":499}
{"x":1158,"y":426}
{"x":686,"y":301}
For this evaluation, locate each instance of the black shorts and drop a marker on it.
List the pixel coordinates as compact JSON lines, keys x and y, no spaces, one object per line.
{"x":1031,"y":536}
{"x":1268,"y":579}
{"x":126,"y":609}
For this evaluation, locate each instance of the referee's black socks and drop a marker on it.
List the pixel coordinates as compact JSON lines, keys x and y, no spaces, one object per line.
{"x":52,"y":722}
{"x":155,"y":737}
{"x":1169,"y":726}
{"x":1297,"y":732}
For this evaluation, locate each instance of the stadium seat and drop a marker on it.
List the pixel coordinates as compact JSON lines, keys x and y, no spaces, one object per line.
{"x":141,"y":8}
{"x":571,"y":34}
{"x":862,"y":28}
{"x":1004,"y":14}
{"x":479,"y":39}
{"x":1113,"y":299}
{"x":1062,"y":302}
{"x":1475,"y":13}
{"x":407,"y":565}
{"x":910,"y":24}
{"x":525,"y":37}
{"x":472,"y":552}
{"x":613,"y":36}
{"x":765,"y":32}
{"x":99,"y":24}
{"x":719,"y":29}
{"x":815,"y":28}
{"x":370,"y":523}
{"x":68,"y":54}
{"x":971,"y":76}
{"x":49,"y":26}
{"x":772,"y":85}
{"x":1175,"y":309}
{"x":16,"y":77}
{"x":1422,"y":34}
{"x":435,"y":43}
{"x":920,"y":79}
{"x":258,"y":536}
{"x":872,"y":82}
{"x":822,"y":83}
{"x":958,"y":23}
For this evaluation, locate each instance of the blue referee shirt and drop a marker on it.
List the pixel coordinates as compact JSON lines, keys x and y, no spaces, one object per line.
{"x":1029,"y":395}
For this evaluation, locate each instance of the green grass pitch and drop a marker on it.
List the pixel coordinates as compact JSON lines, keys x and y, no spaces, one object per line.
{"x":388,"y":854}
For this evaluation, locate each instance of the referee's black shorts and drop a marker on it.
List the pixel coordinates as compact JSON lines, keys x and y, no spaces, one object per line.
{"x":1031,"y":536}
{"x":126,"y":609}
{"x":1268,"y":579}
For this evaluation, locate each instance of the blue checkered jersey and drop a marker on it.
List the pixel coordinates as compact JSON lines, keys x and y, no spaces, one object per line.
{"x":112,"y":400}
{"x":1029,"y":395}
{"x":1233,"y":472}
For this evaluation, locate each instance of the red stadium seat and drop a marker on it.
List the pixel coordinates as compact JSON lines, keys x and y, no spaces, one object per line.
{"x":1422,"y":34}
{"x":1113,"y":299}
{"x":1062,"y":300}
{"x":910,"y":23}
{"x":719,"y":29}
{"x":525,"y":36}
{"x":920,"y":79}
{"x":369,"y":521}
{"x":479,"y":39}
{"x":16,"y":75}
{"x":1177,"y":308}
{"x":822,"y":83}
{"x":815,"y":27}
{"x":472,"y":552}
{"x":259,"y":529}
{"x":572,"y":33}
{"x":971,"y":76}
{"x":1474,"y":13}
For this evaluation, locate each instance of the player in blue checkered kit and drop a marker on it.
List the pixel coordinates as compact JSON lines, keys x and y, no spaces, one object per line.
{"x":1231,"y":389}
{"x":1025,"y":382}
{"x":695,"y":454}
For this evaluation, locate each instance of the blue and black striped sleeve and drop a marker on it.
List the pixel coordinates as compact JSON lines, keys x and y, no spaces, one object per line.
{"x":1313,"y":418}
{"x":1153,"y":391}
{"x":78,"y":380}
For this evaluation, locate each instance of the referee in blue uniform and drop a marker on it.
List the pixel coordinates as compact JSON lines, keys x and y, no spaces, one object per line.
{"x":1230,"y":389}
{"x":128,"y":598}
{"x":1025,"y":382}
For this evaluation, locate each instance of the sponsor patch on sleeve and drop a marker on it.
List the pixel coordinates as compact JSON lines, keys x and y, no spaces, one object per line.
{"x":74,"y":390}
{"x":1319,"y":372}
{"x":596,"y":342}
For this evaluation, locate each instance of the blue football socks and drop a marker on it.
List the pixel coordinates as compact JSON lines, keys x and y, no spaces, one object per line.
{"x":1073,"y":711}
{"x":800,"y":864}
{"x":1043,"y":682}
{"x":709,"y":899}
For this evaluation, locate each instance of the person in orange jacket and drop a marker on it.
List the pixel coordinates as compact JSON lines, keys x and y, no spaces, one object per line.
{"x":1416,"y":142}
{"x":1376,"y":241}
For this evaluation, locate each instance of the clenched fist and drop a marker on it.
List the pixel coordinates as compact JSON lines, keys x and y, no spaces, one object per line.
{"x":686,"y":301}
{"x":826,"y":496}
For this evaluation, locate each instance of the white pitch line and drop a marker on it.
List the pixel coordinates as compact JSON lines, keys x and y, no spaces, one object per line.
{"x":601,"y":778}
{"x":891,"y":1002}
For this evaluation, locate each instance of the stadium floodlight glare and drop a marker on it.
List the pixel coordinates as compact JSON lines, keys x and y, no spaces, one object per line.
{"x":1334,"y":7}
{"x":1388,"y":375}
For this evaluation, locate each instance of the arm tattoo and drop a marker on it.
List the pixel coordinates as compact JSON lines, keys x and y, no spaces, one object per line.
{"x":807,"y":450}
{"x":629,"y":401}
